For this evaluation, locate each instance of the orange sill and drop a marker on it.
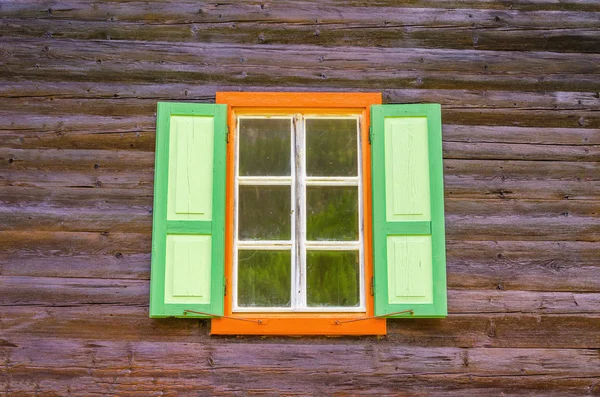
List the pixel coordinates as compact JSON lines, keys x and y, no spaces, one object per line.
{"x":304,"y":323}
{"x":294,"y":326}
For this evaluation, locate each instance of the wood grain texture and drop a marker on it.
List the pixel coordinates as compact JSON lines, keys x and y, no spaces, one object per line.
{"x":519,"y":87}
{"x":348,"y":67}
{"x":144,"y":367}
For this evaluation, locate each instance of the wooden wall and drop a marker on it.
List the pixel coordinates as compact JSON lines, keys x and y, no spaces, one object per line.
{"x":519,"y":83}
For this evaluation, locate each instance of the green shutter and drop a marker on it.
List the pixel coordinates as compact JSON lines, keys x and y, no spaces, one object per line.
{"x":188,"y":231}
{"x":409,"y":255}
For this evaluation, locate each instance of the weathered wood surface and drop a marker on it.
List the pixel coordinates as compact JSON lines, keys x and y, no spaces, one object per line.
{"x":348,"y":67}
{"x":130,"y":323}
{"x":67,"y":292}
{"x":519,"y":84}
{"x":416,"y":24}
{"x":126,"y":368}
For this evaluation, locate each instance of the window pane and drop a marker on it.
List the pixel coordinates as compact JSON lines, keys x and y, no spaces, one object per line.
{"x":333,"y":278}
{"x":332,"y":213}
{"x":265,"y":147}
{"x":264,"y":213}
{"x":264,"y":278}
{"x":331,"y":147}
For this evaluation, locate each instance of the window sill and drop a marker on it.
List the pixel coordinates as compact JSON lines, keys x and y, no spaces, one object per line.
{"x":331,"y":325}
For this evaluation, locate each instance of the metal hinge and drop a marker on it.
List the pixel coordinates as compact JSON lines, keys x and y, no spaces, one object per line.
{"x":225,"y":286}
{"x":227,"y":128}
{"x":372,"y":286}
{"x":371,"y":137}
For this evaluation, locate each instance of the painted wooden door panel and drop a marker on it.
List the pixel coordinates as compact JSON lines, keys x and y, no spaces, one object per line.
{"x":408,"y":210}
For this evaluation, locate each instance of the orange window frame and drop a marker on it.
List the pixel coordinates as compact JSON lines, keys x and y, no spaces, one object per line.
{"x":362,"y":323}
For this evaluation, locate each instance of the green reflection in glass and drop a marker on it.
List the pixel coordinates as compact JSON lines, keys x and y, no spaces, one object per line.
{"x":331,"y":147}
{"x":265,"y":147}
{"x":333,"y":278}
{"x":264,"y":213}
{"x":264,"y":278}
{"x":332,"y":213}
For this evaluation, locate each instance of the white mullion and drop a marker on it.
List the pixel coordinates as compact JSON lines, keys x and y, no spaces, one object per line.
{"x":333,"y":245}
{"x":332,"y":181}
{"x":300,"y":271}
{"x":265,"y":180}
{"x":293,"y":214}
{"x":265,"y":245}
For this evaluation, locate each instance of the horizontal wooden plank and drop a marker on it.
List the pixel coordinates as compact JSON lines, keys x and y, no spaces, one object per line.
{"x":250,"y":9}
{"x":511,"y":151}
{"x":131,"y":323}
{"x":104,"y":161}
{"x":522,"y":228}
{"x":508,"y":301}
{"x":77,"y":220}
{"x":141,"y":180}
{"x":527,"y":117}
{"x":132,"y":367}
{"x":60,"y":291}
{"x":57,"y":291}
{"x":101,"y":161}
{"x":507,"y":179}
{"x":525,"y":331}
{"x":526,"y":208}
{"x":397,"y":28}
{"x":307,"y":383}
{"x":206,"y":93}
{"x":413,"y":13}
{"x":509,"y":134}
{"x":464,"y":227}
{"x":101,"y":133}
{"x":357,"y":67}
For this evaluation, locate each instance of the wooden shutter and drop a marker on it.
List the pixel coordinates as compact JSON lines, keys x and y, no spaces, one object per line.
{"x":189,"y":210}
{"x":409,"y":255}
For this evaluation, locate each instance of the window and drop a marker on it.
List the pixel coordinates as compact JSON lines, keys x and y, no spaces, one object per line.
{"x":292,"y":213}
{"x":298,"y":214}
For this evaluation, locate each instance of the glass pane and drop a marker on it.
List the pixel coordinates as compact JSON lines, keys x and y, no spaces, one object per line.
{"x":333,"y":278}
{"x":264,"y":278}
{"x":332,"y":213}
{"x":264,"y":213}
{"x":331,"y":147}
{"x":265,"y":147}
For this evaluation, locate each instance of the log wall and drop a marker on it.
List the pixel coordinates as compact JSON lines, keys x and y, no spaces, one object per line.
{"x":519,"y":84}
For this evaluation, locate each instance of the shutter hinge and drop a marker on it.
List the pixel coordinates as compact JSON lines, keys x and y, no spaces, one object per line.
{"x":371,"y":137}
{"x":225,"y":285}
{"x":227,"y":128}
{"x":372,"y":286}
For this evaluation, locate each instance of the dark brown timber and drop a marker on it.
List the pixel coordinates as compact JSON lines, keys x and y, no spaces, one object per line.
{"x":519,"y":85}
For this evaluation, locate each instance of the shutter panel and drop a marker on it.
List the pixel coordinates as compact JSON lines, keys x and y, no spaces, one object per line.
{"x":409,"y":254}
{"x":188,"y":232}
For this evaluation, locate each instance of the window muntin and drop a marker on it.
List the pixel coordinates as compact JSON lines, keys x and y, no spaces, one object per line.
{"x":315,"y":254}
